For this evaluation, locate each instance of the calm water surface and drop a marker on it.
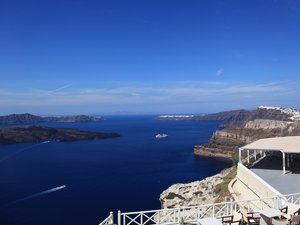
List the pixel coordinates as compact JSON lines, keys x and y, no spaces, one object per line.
{"x":126,"y":173}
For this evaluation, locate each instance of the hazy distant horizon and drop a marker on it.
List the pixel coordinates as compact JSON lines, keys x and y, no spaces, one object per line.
{"x":133,"y":113}
{"x":127,"y":113}
{"x":124,"y":113}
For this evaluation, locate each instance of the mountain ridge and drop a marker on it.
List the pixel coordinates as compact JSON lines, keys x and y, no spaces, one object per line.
{"x":27,"y":118}
{"x":239,"y":117}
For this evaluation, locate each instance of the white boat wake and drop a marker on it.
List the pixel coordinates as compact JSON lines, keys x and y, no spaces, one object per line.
{"x":36,"y":195}
{"x":22,"y":150}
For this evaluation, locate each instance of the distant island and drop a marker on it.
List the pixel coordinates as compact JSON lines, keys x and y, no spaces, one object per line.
{"x":20,"y":134}
{"x":27,"y":118}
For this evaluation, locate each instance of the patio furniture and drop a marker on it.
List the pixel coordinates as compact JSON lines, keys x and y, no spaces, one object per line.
{"x":284,"y":210}
{"x":209,"y":221}
{"x":253,"y":221}
{"x":297,"y":213}
{"x":253,"y":218}
{"x":295,"y":220}
{"x":280,"y":221}
{"x":228,"y":220}
{"x":267,"y":214}
{"x":236,"y":222}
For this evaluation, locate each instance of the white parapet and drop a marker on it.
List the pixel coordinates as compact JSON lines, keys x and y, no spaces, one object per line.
{"x":252,"y":186}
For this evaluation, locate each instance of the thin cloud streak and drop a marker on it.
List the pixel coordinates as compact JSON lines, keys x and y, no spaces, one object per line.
{"x":54,"y":91}
{"x":61,"y":88}
{"x":143,"y":95}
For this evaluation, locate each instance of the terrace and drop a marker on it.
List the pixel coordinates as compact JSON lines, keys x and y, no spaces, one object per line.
{"x":269,"y":169}
{"x":275,"y":162}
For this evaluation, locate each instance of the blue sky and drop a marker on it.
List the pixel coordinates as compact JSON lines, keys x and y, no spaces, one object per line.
{"x":158,"y":56}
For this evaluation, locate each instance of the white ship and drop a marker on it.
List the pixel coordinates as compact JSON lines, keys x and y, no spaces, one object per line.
{"x":161,"y":135}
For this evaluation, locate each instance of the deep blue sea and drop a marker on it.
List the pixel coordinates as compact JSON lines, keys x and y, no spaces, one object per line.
{"x":126,"y":173}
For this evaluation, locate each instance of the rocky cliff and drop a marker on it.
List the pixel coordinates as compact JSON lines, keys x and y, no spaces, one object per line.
{"x":27,"y":118}
{"x":205,"y":191}
{"x":247,"y":127}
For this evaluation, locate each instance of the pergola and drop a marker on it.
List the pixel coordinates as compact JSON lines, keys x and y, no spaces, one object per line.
{"x":286,"y":145}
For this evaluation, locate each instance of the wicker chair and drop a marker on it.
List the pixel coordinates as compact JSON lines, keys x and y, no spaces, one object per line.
{"x":295,"y":220}
{"x":284,"y":210}
{"x":252,"y":218}
{"x":228,"y":220}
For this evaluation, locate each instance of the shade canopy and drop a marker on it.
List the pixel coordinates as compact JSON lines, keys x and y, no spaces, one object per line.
{"x":290,"y":144}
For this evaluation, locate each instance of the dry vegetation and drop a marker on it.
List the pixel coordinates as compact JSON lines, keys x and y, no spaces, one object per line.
{"x":221,"y":190}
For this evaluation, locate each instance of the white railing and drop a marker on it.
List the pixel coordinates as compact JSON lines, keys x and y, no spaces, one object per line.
{"x":253,"y":157}
{"x":292,"y":198}
{"x":109,"y":220}
{"x":192,"y":214}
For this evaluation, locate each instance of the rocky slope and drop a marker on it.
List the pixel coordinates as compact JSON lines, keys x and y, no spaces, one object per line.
{"x":195,"y":193}
{"x":38,"y":133}
{"x":27,"y":118}
{"x":264,"y":122}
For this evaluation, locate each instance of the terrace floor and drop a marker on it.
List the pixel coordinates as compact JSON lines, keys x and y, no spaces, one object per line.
{"x":270,"y":170}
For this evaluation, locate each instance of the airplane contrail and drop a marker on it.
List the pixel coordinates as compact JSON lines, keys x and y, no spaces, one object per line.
{"x":35,"y":195}
{"x":60,"y":88}
{"x":49,"y":92}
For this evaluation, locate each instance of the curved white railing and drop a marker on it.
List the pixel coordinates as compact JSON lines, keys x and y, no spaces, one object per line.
{"x":109,"y":220}
{"x":194,"y":213}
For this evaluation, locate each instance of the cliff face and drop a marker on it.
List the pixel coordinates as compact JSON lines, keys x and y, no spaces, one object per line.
{"x":267,"y":124}
{"x":245,"y":128}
